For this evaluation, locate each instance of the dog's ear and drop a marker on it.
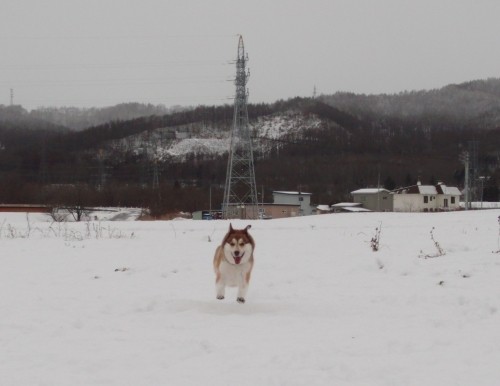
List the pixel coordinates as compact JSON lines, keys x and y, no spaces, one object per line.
{"x":247,"y":228}
{"x":230,"y":227}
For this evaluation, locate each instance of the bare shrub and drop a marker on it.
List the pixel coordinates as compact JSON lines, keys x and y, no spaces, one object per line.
{"x":61,"y":229}
{"x":375,"y":241}
{"x":440,"y":251}
{"x":498,"y":237}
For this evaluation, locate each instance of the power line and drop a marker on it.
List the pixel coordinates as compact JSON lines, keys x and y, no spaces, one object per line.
{"x":116,"y":37}
{"x":94,"y":101}
{"x":72,"y":66}
{"x":110,"y":82}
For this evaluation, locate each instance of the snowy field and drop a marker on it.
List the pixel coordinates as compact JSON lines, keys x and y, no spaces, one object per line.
{"x":133,"y":303}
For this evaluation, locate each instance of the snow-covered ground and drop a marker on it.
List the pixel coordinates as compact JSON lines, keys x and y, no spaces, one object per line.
{"x":133,"y":303}
{"x":180,"y":149}
{"x":209,"y":140}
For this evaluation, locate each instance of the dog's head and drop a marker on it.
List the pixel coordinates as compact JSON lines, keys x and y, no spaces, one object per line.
{"x":238,"y":245}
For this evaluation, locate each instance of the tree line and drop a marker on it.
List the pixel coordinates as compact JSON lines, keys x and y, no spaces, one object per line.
{"x":353,"y":147}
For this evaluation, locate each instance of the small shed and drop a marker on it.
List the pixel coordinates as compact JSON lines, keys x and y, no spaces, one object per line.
{"x":269,"y":211}
{"x":302,"y":199}
{"x":375,"y":199}
{"x":323,"y":209}
{"x":347,"y":207}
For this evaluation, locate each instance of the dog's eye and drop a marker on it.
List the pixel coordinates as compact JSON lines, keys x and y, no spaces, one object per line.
{"x":242,"y":245}
{"x":232,"y":244}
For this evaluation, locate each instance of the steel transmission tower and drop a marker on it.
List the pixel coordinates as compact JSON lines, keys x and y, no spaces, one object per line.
{"x":240,"y":192}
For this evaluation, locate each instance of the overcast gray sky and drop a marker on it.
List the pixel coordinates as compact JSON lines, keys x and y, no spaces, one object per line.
{"x":179,"y":52}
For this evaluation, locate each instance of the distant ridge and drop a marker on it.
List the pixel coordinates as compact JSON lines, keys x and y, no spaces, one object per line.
{"x":471,"y":103}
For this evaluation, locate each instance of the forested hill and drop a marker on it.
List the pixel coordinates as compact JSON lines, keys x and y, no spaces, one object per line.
{"x":474,"y":104}
{"x":17,"y":118}
{"x":329,"y":146}
{"x":81,"y":118}
{"x":77,"y":119}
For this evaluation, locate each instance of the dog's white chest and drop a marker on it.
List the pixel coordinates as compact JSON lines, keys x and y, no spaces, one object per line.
{"x":233,"y":274}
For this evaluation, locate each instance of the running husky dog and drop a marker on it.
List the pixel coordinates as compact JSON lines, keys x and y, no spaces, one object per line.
{"x":233,"y":262}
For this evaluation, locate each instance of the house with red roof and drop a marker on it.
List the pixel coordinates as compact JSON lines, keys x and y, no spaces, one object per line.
{"x":426,"y":198}
{"x":415,"y":198}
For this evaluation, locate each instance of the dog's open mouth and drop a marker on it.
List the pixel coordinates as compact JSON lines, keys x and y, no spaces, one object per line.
{"x":237,"y":259}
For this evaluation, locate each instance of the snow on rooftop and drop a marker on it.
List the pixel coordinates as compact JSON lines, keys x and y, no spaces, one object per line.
{"x":427,"y":189}
{"x":452,"y":190}
{"x":290,"y":192}
{"x":369,"y":191}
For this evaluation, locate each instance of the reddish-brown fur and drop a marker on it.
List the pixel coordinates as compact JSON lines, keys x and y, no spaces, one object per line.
{"x":227,"y":266}
{"x":237,"y":234}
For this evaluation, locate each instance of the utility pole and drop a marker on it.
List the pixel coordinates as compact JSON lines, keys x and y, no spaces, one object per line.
{"x":42,"y":171}
{"x":156,"y":175}
{"x":473,"y":147}
{"x":101,"y":170}
{"x":482,"y":178}
{"x":465,"y":159}
{"x":240,"y":192}
{"x":378,"y":188}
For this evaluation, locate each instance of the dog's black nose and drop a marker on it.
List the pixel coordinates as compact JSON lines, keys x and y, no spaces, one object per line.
{"x":236,"y":253}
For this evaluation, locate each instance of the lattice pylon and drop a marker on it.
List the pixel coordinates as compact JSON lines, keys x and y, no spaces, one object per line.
{"x":240,"y":192}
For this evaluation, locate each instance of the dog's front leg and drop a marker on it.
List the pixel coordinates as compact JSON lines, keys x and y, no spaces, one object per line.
{"x":242,"y":291}
{"x":220,"y":288}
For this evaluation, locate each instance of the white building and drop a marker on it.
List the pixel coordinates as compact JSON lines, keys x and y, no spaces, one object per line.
{"x":294,"y":198}
{"x":448,"y":197}
{"x":426,"y":198}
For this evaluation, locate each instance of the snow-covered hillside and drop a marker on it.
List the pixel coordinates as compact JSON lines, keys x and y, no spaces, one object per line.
{"x":202,"y":139}
{"x":133,"y":303}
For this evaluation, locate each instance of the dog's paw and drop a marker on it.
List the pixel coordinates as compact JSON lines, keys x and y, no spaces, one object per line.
{"x":240,"y":300}
{"x":220,"y":297}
